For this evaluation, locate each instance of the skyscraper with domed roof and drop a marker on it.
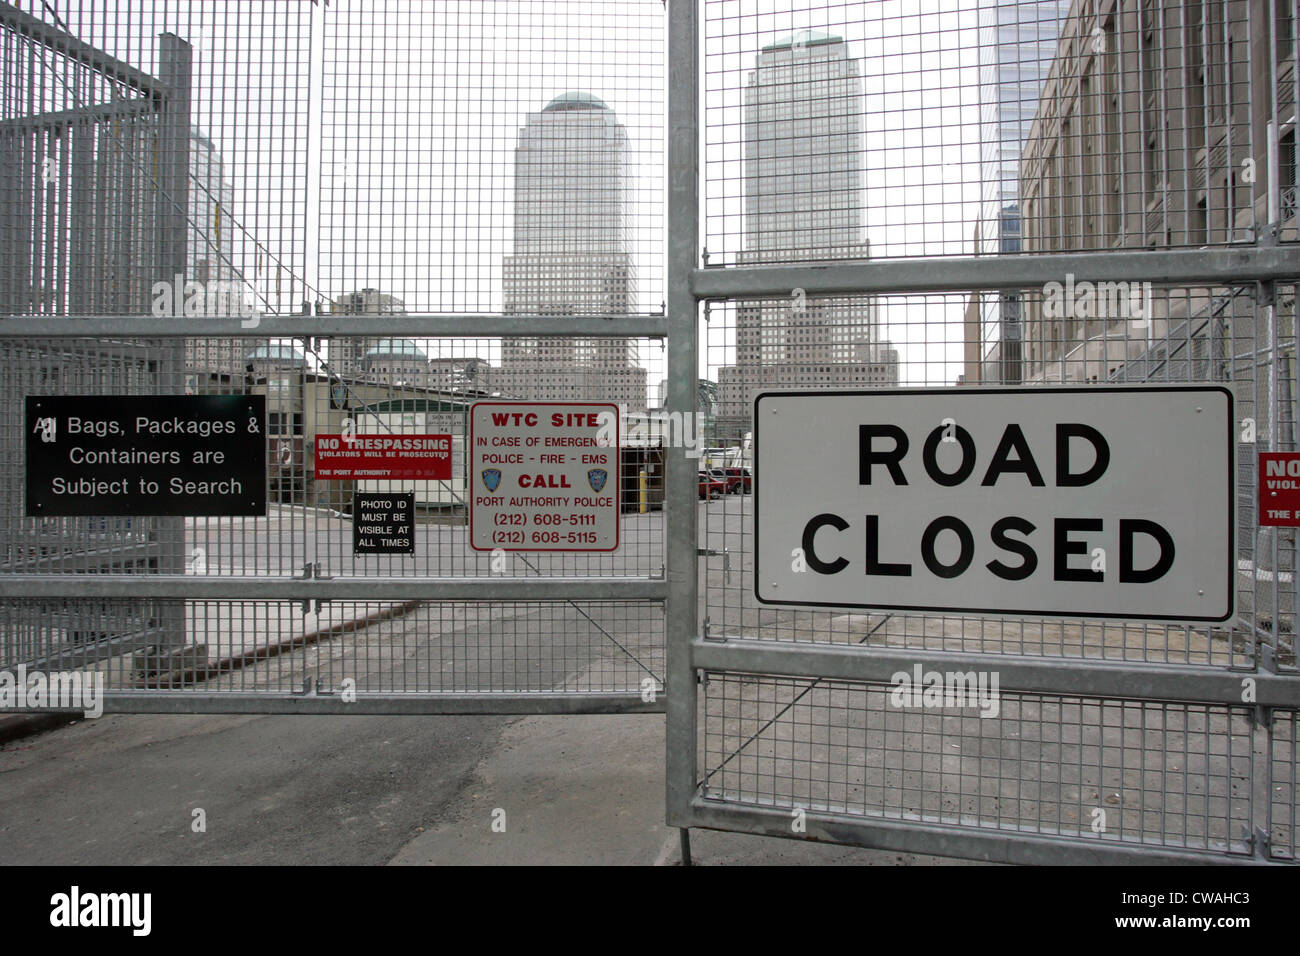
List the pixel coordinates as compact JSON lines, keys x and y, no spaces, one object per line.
{"x":571,"y":255}
{"x":347,"y":355}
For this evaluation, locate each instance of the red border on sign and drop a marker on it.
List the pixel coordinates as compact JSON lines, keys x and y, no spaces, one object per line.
{"x":618,"y":474}
{"x":1262,"y":493}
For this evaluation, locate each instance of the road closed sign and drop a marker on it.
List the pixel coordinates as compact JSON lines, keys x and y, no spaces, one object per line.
{"x":544,"y":476}
{"x":1100,"y":502}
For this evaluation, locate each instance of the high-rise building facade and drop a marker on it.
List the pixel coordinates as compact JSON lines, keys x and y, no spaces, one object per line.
{"x":1152,"y":133}
{"x":127,"y":202}
{"x":210,"y":259}
{"x":803,"y":201}
{"x":571,"y":255}
{"x":347,"y":356}
{"x":1017,"y":44}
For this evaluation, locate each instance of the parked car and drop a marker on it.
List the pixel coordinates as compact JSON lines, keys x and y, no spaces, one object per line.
{"x":741,"y":480}
{"x":729,"y":485}
{"x":711,"y":487}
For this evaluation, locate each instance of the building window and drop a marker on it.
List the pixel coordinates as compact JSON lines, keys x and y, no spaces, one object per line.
{"x":280,"y":423}
{"x":1286,"y":169}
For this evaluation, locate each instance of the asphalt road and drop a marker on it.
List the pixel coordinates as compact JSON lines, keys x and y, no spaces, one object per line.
{"x":296,"y":790}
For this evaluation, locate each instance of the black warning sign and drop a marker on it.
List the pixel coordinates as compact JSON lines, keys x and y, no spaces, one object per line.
{"x":383,"y":523}
{"x":145,"y":455}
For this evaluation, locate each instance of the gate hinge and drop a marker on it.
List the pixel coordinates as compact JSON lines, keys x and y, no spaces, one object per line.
{"x":726,"y":560}
{"x":706,"y":631}
{"x":310,"y":572}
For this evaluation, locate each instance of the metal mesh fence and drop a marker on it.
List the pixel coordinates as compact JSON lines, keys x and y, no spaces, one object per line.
{"x":477,"y":157}
{"x":355,"y":179}
{"x":264,"y":647}
{"x":1284,"y":780}
{"x":342,"y":652}
{"x":987,"y":127}
{"x":1177,"y":775}
{"x":1020,"y":145}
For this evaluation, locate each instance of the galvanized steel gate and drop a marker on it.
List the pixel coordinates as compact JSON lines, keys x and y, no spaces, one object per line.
{"x":244,"y":199}
{"x":1123,"y":142}
{"x":367,"y":212}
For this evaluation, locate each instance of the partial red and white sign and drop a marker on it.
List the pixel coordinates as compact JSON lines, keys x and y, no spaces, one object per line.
{"x":368,"y":457}
{"x":1279,"y":489}
{"x":544,"y":476}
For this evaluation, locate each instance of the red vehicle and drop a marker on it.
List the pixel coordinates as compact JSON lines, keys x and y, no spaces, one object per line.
{"x":711,"y":487}
{"x":729,"y":485}
{"x":739,"y":479}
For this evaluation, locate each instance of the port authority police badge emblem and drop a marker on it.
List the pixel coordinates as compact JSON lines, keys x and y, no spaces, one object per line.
{"x":597,"y":477}
{"x":491,"y":478}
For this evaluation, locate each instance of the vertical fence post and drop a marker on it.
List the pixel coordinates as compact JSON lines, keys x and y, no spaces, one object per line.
{"x":171,"y":227}
{"x":683,"y":397}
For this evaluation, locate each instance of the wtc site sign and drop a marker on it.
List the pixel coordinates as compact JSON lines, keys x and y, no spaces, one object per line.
{"x":1104,"y":502}
{"x":544,"y":476}
{"x":145,"y":455}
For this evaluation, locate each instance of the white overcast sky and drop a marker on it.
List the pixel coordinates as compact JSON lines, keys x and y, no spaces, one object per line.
{"x":408,"y":135}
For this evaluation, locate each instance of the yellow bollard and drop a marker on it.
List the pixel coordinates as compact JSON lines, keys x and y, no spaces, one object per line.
{"x":641,"y":489}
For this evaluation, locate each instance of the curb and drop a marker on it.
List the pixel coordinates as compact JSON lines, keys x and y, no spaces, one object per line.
{"x":18,"y":728}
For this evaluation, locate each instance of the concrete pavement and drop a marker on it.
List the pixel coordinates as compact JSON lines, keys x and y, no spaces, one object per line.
{"x":360,"y":790}
{"x":589,"y":790}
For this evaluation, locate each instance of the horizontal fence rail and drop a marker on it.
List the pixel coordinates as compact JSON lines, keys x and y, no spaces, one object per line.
{"x":323,"y":326}
{"x":326,"y":588}
{"x":1145,"y":682}
{"x":973,"y":273}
